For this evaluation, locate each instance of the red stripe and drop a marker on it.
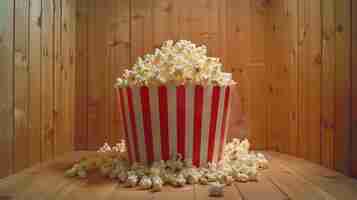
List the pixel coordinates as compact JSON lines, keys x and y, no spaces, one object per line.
{"x":133,"y":123}
{"x":127,"y":140}
{"x":226,"y":101}
{"x":213,"y":122}
{"x":164,"y":129}
{"x":197,"y":124}
{"x":145,"y":105}
{"x":181,"y":102}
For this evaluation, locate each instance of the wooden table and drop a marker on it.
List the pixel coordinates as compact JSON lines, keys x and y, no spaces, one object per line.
{"x":287,"y":178}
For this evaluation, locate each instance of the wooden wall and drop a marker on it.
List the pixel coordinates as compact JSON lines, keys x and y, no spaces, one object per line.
{"x":113,"y":33}
{"x":310,"y":80}
{"x":291,"y":58}
{"x":37,"y":68}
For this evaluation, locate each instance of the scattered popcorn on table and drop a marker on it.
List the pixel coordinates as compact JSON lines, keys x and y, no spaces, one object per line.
{"x":145,"y":183}
{"x":237,"y":164}
{"x":156,"y":184}
{"x":178,"y":63}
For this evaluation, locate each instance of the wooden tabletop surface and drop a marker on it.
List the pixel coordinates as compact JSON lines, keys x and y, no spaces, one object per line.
{"x":287,"y":178}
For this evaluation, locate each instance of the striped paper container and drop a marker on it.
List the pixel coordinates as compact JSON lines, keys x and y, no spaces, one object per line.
{"x":161,"y":122}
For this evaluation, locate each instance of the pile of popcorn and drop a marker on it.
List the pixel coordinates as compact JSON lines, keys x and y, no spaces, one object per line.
{"x":179,"y":63}
{"x":238,"y":164}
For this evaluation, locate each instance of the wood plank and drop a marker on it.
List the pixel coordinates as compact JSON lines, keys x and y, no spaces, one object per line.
{"x":280,"y":78}
{"x":95,"y":187}
{"x":68,"y":75}
{"x":257,"y":14}
{"x":328,"y":84}
{"x":302,"y":45}
{"x":294,"y":186}
{"x":47,"y":87}
{"x":222,"y":34}
{"x":163,"y":21}
{"x":293,"y":69}
{"x":230,"y":192}
{"x":314,"y":84}
{"x":269,"y":58}
{"x":238,"y":33}
{"x":141,"y":28}
{"x":21,"y":144}
{"x":198,"y":21}
{"x":35,"y":82}
{"x":59,"y":92}
{"x":310,"y":80}
{"x":354,"y":88}
{"x":266,"y":189}
{"x":256,"y":108}
{"x":183,"y":15}
{"x":118,"y":60}
{"x":239,"y":118}
{"x":343,"y":86}
{"x":97,"y":74}
{"x":336,"y":184}
{"x":125,"y":193}
{"x":81,"y":108}
{"x":6,"y":86}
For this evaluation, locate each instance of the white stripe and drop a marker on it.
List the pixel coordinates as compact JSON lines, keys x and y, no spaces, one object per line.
{"x":206,"y":116}
{"x":128,"y":124}
{"x":190,"y":93}
{"x":139,"y":123}
{"x":171,"y":101}
{"x":219,"y":124}
{"x":155,"y":121}
{"x":228,"y":115}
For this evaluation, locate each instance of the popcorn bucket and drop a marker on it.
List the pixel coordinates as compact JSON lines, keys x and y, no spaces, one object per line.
{"x":161,"y":122}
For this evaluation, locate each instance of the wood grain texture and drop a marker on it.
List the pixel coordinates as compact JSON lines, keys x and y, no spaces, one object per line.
{"x":81,"y":89}
{"x":21,"y":101}
{"x":287,"y":90}
{"x":292,"y":60}
{"x":47,"y":74}
{"x":38,"y":109}
{"x":342,"y":138}
{"x":328,"y":89}
{"x":58,"y":92}
{"x":35,"y":51}
{"x":6,"y":86}
{"x":330,"y":181}
{"x":287,"y":178}
{"x":354,"y":88}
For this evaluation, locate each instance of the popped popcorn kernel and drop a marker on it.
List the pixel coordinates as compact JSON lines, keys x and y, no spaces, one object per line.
{"x":178,"y":63}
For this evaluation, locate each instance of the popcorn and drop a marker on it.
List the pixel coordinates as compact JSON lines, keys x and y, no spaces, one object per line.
{"x":179,"y":181}
{"x":131,"y":181}
{"x":156,"y":184}
{"x":119,"y":147}
{"x":145,"y":183}
{"x":179,"y":63}
{"x":237,"y":164}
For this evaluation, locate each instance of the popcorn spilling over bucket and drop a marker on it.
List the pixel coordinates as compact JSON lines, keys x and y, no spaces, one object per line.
{"x":175,"y":102}
{"x":161,"y":122}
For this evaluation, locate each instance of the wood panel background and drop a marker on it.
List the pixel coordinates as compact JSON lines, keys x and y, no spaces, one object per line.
{"x":293,"y":60}
{"x":37,"y":71}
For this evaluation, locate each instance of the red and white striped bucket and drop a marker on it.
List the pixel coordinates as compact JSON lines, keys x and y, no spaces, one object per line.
{"x":163,"y":121}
